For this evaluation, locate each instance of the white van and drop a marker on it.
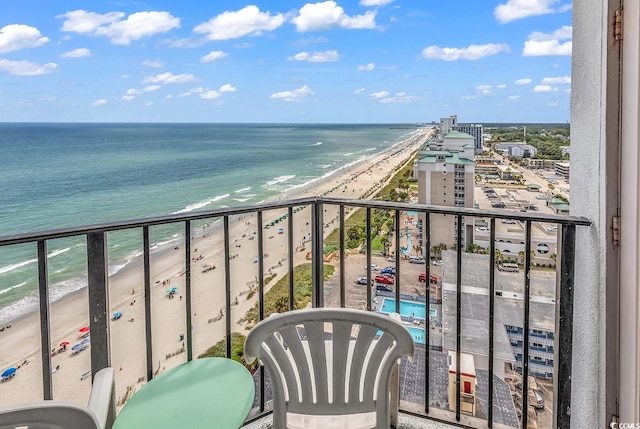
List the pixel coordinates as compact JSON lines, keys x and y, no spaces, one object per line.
{"x":512,"y":268}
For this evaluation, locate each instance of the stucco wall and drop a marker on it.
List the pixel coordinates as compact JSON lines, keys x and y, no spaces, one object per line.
{"x":588,"y":199}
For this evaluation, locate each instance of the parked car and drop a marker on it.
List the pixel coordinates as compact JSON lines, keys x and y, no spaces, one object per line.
{"x":423,"y":278}
{"x":552,"y":228}
{"x":383,"y":288}
{"x":509,"y":267}
{"x":509,"y":221}
{"x":391,"y":259}
{"x":416,"y":260}
{"x":482,"y":229}
{"x":389,"y":271}
{"x":541,"y":197}
{"x":361,"y":280}
{"x":388,"y":280}
{"x":498,"y":205}
{"x":437,"y":263}
{"x":374,"y":267}
{"x":492,"y":196}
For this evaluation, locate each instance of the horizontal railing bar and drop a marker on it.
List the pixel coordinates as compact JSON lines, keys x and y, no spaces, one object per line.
{"x":194,"y":216}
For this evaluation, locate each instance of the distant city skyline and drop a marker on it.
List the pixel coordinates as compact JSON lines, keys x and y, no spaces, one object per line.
{"x":366,"y":61}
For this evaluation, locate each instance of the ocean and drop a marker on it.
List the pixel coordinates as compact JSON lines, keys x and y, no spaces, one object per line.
{"x":64,"y":175}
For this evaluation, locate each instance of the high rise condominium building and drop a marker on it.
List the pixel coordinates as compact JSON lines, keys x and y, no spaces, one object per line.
{"x":445,"y":172}
{"x":447,"y":124}
{"x":474,"y":130}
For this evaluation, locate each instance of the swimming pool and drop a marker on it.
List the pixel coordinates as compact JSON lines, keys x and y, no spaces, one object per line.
{"x":417,"y":334}
{"x":407,"y":308}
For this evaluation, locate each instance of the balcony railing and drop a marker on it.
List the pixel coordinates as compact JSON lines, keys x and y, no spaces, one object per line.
{"x":320,"y":215}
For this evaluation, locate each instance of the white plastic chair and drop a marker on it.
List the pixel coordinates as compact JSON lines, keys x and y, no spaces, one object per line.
{"x":99,"y":413}
{"x":329,"y":367}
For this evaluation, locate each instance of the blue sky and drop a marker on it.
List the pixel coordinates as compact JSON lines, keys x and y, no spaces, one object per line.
{"x":373,"y":61}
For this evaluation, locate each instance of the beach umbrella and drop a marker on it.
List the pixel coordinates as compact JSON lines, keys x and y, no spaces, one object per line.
{"x":173,"y":289}
{"x":85,"y":341}
{"x":64,"y":343}
{"x":77,"y":347}
{"x":84,"y":329}
{"x":117,"y":315}
{"x":9,"y":372}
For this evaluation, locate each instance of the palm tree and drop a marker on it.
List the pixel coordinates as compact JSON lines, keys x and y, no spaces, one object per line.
{"x":498,"y":254}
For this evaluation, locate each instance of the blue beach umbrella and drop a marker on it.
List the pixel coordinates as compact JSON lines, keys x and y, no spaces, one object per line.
{"x":117,"y":315}
{"x":173,"y":289}
{"x":9,"y":372}
{"x":85,"y":341}
{"x":76,"y":347}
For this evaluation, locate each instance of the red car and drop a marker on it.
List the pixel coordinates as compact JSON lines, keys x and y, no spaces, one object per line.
{"x":384,"y":279}
{"x":423,"y":278}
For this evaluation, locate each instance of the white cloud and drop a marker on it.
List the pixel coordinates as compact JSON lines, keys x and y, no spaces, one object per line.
{"x":198,"y":90}
{"x":472,"y":52}
{"x":118,"y":30}
{"x":359,"y":91}
{"x":213,"y":56}
{"x":210,"y":95}
{"x":501,"y":86}
{"x":125,"y":76}
{"x":316,"y":57}
{"x":552,"y":104}
{"x":232,"y":25}
{"x":327,"y":14}
{"x":373,"y":3}
{"x":184,"y":94}
{"x":133,"y":92}
{"x":543,"y":88}
{"x":543,"y":44}
{"x":469,"y":97}
{"x":524,"y":81}
{"x":14,"y":37}
{"x":556,"y":80}
{"x":77,"y":53}
{"x":398,"y":97}
{"x":513,"y":97}
{"x":484,"y":89}
{"x":513,"y":10}
{"x":310,"y":41}
{"x":154,"y":64}
{"x":26,"y":68}
{"x":227,"y":87}
{"x":367,"y":67}
{"x":298,"y":94}
{"x":99,"y":102}
{"x":168,"y":77}
{"x":379,"y":94}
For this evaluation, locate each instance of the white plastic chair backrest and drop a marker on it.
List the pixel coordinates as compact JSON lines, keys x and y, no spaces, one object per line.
{"x":329,"y":361}
{"x":47,"y":415}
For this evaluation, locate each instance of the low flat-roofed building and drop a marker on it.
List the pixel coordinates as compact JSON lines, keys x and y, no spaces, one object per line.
{"x":508,"y":315}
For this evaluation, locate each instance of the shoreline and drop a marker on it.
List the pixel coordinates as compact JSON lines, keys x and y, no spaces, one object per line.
{"x":126,"y":292}
{"x":167,"y":243}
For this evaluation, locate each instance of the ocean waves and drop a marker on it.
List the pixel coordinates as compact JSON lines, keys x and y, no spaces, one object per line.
{"x":202,"y":204}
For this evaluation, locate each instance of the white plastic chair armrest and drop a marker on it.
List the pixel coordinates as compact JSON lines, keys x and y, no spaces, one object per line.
{"x":102,"y":395}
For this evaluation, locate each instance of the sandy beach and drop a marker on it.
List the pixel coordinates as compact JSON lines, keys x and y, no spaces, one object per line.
{"x":21,"y":343}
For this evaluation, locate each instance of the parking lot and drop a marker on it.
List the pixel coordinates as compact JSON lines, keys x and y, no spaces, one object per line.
{"x":356,"y":293}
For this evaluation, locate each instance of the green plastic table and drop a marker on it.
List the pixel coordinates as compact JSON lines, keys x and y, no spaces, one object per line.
{"x":203,"y":393}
